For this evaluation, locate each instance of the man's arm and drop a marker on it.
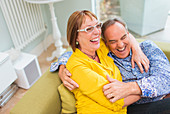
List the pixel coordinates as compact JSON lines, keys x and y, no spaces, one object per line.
{"x":64,"y":75}
{"x":138,"y":56}
{"x":62,"y":60}
{"x":159,"y":76}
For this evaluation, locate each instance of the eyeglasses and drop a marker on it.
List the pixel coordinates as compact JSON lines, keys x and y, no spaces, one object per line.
{"x":91,"y":28}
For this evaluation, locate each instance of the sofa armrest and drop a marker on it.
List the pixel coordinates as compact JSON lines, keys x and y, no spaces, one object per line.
{"x":42,"y":97}
{"x":164,"y":46}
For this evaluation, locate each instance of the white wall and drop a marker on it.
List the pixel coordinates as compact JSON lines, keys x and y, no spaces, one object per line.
{"x":63,"y":10}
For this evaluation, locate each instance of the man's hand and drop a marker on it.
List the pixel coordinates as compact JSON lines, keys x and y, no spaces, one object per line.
{"x":138,"y":56}
{"x":64,"y":75}
{"x":141,"y":60}
{"x":116,"y":90}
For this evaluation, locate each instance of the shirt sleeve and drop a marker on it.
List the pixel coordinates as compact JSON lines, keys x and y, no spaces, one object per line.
{"x":62,"y":60}
{"x":91,"y":84}
{"x":157,"y":83}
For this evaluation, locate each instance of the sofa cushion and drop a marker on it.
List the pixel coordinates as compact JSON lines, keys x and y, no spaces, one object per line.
{"x":67,"y":100}
{"x":42,"y":97}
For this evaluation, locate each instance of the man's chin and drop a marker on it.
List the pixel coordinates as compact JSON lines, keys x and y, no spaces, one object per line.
{"x":121,"y":56}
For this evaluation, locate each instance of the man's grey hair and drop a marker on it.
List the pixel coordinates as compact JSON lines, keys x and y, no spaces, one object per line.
{"x":110,"y":22}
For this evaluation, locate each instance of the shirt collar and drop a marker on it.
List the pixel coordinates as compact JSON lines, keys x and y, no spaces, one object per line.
{"x":128,"y":58}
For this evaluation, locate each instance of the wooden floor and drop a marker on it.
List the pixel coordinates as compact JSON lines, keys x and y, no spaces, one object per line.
{"x":44,"y":65}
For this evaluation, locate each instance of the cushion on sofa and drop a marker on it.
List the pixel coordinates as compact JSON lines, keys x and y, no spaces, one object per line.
{"x":67,"y":100}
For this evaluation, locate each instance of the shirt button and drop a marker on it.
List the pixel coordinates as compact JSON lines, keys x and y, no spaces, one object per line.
{"x":135,"y":73}
{"x":128,"y":67}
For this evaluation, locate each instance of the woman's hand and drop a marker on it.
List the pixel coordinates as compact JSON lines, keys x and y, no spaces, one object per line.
{"x":64,"y":75}
{"x":116,"y":90}
{"x":138,"y":56}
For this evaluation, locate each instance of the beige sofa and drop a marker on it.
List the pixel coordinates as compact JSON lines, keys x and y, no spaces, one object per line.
{"x":43,"y":96}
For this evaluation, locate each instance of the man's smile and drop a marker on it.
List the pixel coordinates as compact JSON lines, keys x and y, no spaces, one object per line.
{"x":121,"y":49}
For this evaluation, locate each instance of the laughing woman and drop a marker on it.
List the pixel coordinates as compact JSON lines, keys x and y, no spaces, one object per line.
{"x":89,"y":65}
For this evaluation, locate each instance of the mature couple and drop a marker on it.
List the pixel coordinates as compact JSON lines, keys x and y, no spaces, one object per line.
{"x":96,"y":77}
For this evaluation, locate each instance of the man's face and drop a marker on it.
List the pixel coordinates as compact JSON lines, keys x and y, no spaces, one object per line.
{"x":117,"y":38}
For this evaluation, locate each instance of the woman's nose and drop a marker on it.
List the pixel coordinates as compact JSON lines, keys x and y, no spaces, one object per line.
{"x":96,"y":30}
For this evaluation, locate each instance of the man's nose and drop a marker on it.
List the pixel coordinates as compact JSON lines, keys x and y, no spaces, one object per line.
{"x":120,"y":44}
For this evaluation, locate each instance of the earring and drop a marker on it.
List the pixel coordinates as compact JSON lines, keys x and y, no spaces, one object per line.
{"x":77,"y":43}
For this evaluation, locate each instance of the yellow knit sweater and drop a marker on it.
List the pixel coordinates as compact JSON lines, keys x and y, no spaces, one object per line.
{"x":91,"y":77}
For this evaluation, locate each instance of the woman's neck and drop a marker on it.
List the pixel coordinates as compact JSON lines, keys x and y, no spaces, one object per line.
{"x":91,"y":56}
{"x":88,"y":52}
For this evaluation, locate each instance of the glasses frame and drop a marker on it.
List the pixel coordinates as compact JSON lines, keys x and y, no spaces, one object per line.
{"x":85,"y":29}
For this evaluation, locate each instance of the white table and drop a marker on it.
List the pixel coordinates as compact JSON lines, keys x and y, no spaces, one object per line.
{"x":56,"y":32}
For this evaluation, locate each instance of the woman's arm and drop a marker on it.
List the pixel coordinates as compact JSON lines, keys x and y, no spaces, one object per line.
{"x":114,"y":88}
{"x":138,"y":56}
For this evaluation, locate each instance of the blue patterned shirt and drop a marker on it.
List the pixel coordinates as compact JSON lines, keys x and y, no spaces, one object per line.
{"x":154,"y":84}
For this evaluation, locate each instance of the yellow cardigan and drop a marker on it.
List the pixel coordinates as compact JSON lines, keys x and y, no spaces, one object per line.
{"x":91,"y":77}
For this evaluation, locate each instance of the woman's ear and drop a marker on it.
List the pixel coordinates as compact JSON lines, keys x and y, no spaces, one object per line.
{"x":77,"y":43}
{"x":77,"y":40}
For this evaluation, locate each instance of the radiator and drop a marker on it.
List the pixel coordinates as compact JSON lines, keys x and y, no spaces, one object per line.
{"x":24,"y":21}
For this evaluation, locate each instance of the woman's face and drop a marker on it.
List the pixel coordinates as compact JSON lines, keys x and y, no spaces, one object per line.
{"x":89,"y":41}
